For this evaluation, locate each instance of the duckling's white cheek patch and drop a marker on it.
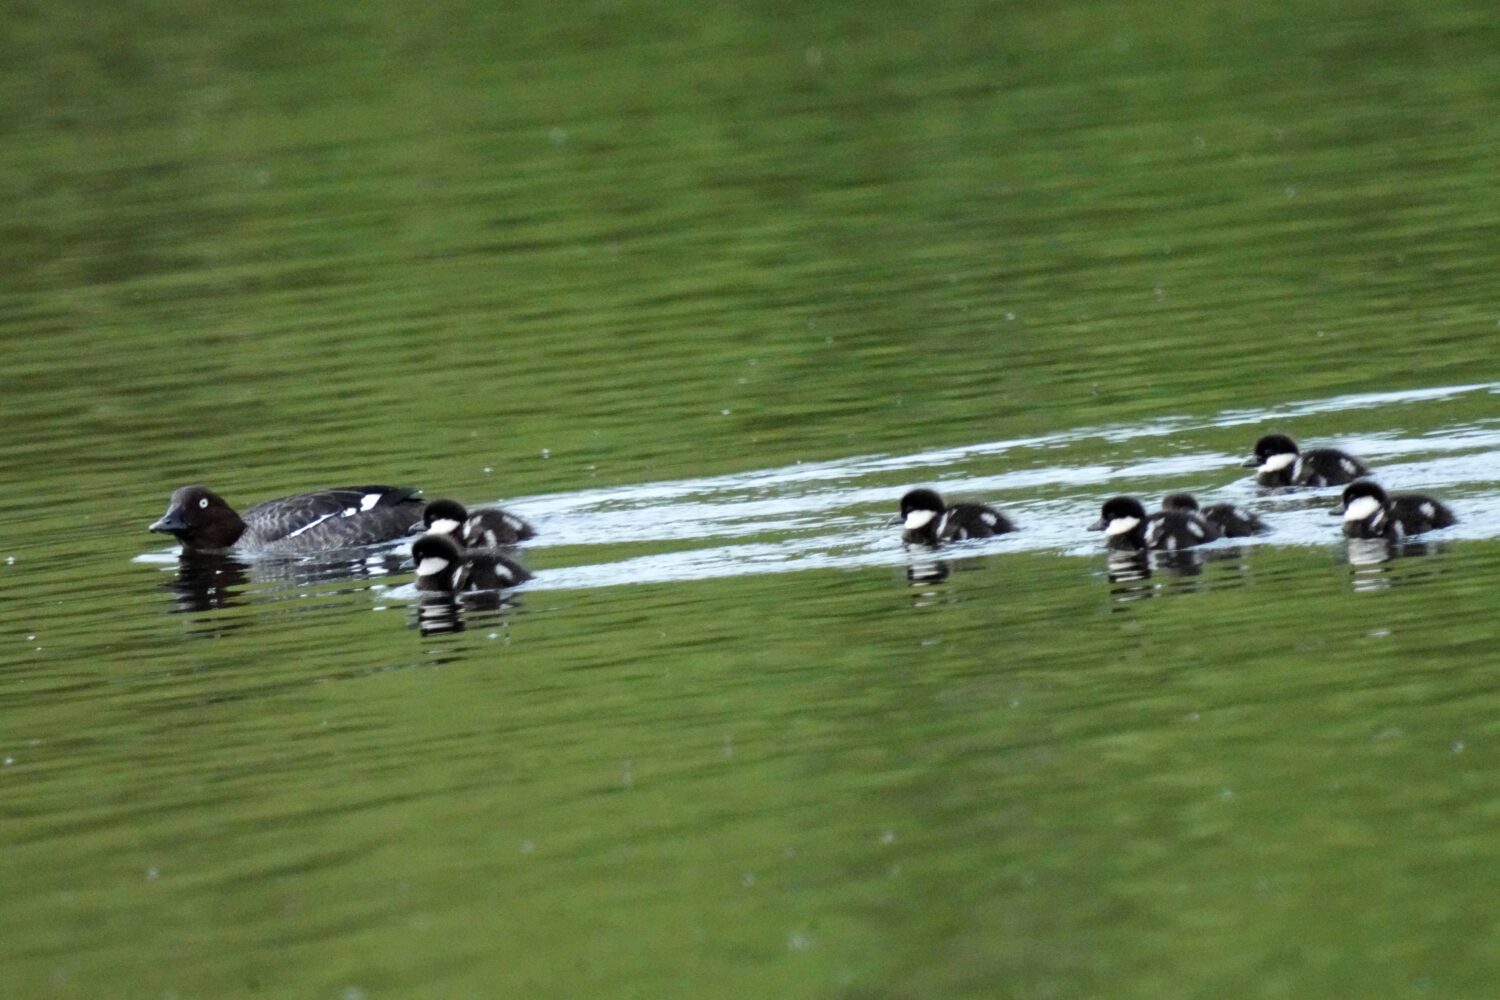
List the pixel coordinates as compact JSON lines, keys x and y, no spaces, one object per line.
{"x":1121,"y":526}
{"x":1278,"y":462}
{"x":431,"y":566}
{"x":369,"y":500}
{"x":1361,"y":508}
{"x":444,"y":525}
{"x":919,"y":519}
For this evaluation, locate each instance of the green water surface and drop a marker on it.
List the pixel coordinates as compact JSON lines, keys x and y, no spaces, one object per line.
{"x":511,"y":250}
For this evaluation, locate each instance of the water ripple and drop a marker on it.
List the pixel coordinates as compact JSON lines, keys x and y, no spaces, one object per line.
{"x":831,"y":514}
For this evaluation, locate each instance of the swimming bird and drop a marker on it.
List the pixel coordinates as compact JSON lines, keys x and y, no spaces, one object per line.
{"x":1370,"y":512}
{"x":487,"y":527}
{"x":1127,"y":527}
{"x":1278,"y":462}
{"x":444,"y":567}
{"x":926,"y":520}
{"x":317,"y":521}
{"x":1231,"y":521}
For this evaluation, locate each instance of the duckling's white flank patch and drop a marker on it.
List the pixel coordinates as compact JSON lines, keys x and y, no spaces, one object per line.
{"x":1195,"y":529}
{"x":1360,"y":508}
{"x":919,"y":519}
{"x":431,"y":566}
{"x":1121,"y":526}
{"x":1278,"y":462}
{"x":443,"y":525}
{"x":369,"y":500}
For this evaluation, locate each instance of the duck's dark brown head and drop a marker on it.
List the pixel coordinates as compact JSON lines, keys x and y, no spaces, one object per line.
{"x":200,"y":519}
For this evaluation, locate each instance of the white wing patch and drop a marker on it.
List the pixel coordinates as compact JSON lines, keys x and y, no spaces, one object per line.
{"x":1348,"y":466}
{"x":919,"y":519}
{"x":988,"y":518}
{"x":1121,"y":526}
{"x":1428,"y":511}
{"x":1278,"y":462}
{"x":350,"y":511}
{"x":369,"y":500}
{"x":431,"y":566}
{"x":1195,"y":529}
{"x":1361,"y":508}
{"x":309,"y":526}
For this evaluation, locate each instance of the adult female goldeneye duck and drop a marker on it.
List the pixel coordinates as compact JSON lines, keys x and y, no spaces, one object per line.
{"x":1371,"y":512}
{"x":926,"y":520}
{"x":1278,"y":462}
{"x":320,"y":521}
{"x":487,"y":527}
{"x":443,"y":567}
{"x":1127,"y":527}
{"x":1230,"y":521}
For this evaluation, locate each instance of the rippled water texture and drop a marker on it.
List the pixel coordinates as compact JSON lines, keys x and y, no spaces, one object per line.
{"x":701,"y":291}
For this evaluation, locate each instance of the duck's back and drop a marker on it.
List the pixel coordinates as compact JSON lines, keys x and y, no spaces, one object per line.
{"x":973,"y":520}
{"x":1327,"y":467}
{"x":1179,"y":529}
{"x":1418,"y":512}
{"x":323,"y":520}
{"x":489,"y":527}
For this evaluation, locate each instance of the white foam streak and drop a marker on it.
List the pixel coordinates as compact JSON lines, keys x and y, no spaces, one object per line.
{"x":833,"y":514}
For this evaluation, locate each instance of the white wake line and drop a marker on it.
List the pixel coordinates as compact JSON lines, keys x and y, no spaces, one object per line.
{"x":867,"y":465}
{"x":1213,"y":477}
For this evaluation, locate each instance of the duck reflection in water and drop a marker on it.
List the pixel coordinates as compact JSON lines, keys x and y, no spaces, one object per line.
{"x":924,"y":571}
{"x":208,"y":581}
{"x":439,"y":613}
{"x":1378,"y":563}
